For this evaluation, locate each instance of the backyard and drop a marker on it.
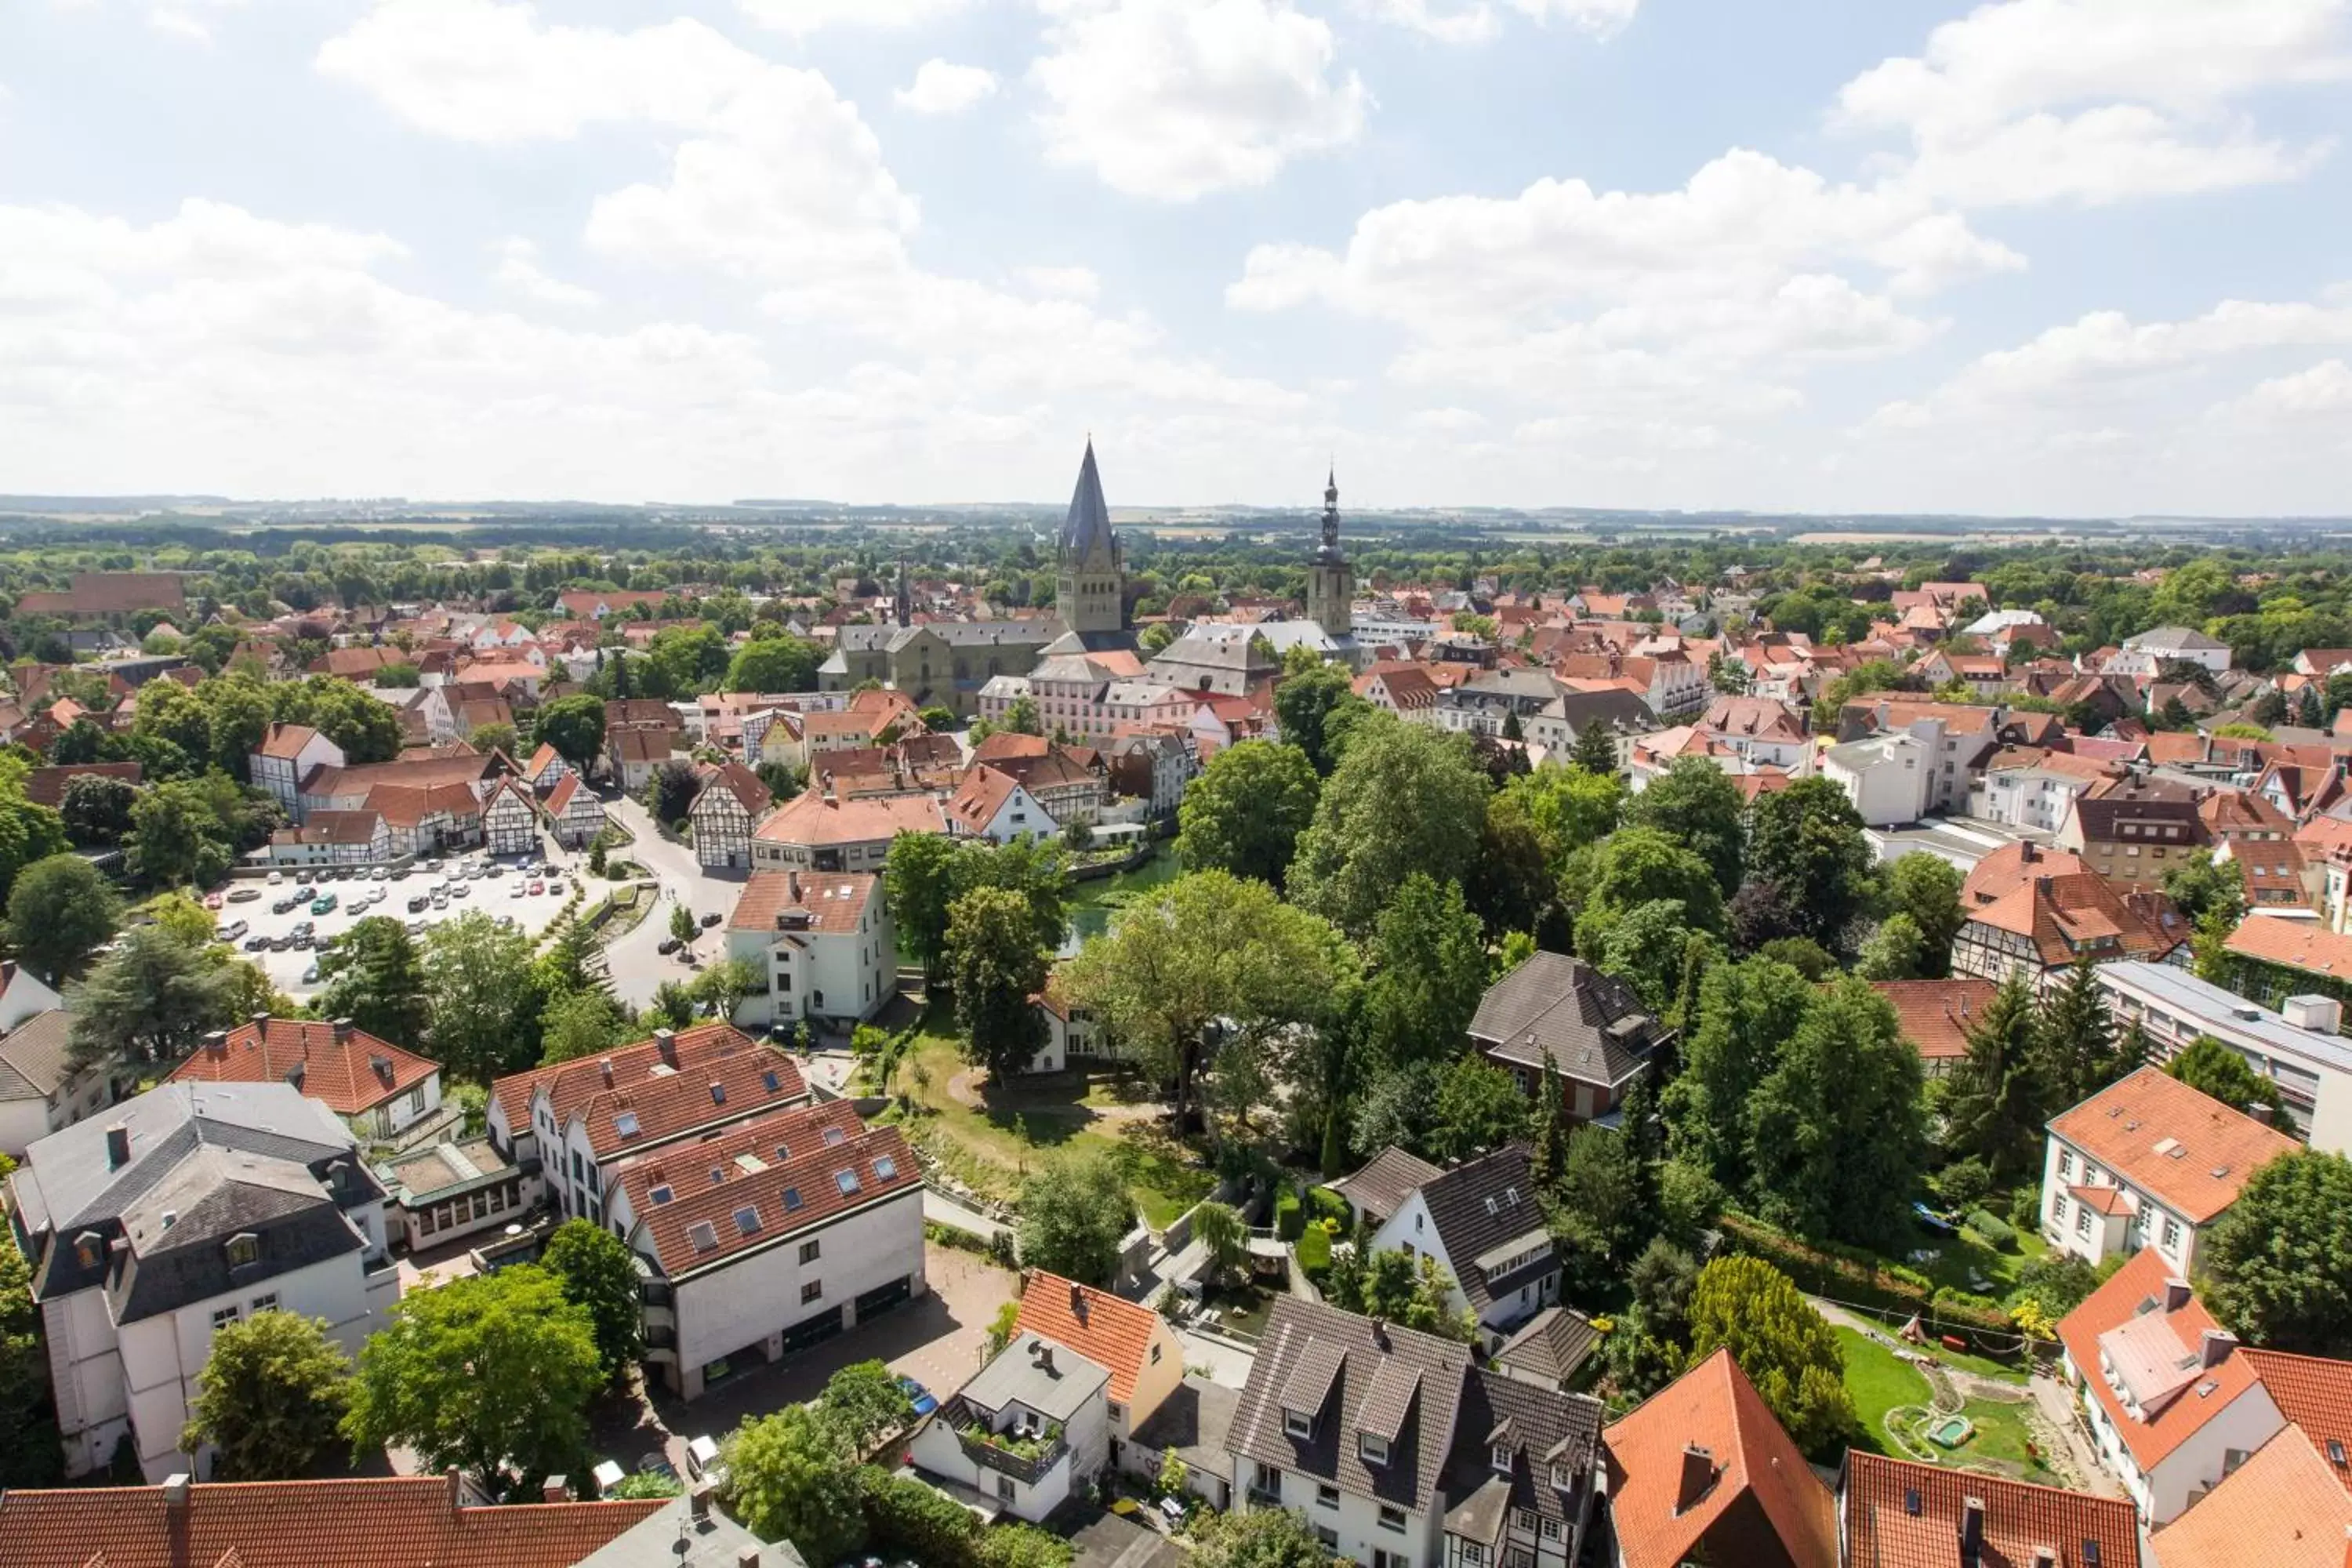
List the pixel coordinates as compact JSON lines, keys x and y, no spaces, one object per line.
{"x":990,"y":1136}
{"x":1882,"y":1384}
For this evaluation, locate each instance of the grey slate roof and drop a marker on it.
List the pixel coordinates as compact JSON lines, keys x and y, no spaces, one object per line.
{"x":1297,"y":1331}
{"x":1030,"y":634}
{"x":1549,"y":1347}
{"x":1086,"y":539}
{"x":674,"y":1537}
{"x":1015,"y":1377}
{"x":1387,"y":1179}
{"x":33,"y":1055}
{"x":1592,"y":1023}
{"x":1483,"y":1205}
{"x":1542,"y":1429}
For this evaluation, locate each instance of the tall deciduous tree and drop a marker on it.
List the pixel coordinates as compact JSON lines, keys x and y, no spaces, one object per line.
{"x":1479,"y":1107}
{"x":574,"y":726}
{"x":1927,"y":888}
{"x":376,"y":979}
{"x":1835,"y":1131}
{"x":1431,"y":970}
{"x":1695,"y":803}
{"x":1638,"y":866}
{"x":1246,"y":810}
{"x":918,"y":884}
{"x":996,"y":966}
{"x":1405,"y":798}
{"x":791,"y":1478}
{"x":1786,"y":1348}
{"x":1807,"y":840}
{"x":483,"y":996}
{"x":599,"y":1275}
{"x":864,"y":1403}
{"x":96,"y":810}
{"x":60,"y":912}
{"x":1747,"y":1013}
{"x":2278,"y":1263}
{"x":148,"y":1003}
{"x":482,"y":1372}
{"x":1303,"y":703}
{"x":2212,"y":1069}
{"x":271,"y":1397}
{"x":175,"y":837}
{"x":1073,"y":1213}
{"x":775,"y":664}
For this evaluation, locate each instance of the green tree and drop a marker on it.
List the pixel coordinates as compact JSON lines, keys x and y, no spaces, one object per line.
{"x":1261,"y":1538}
{"x":576,"y":1024}
{"x":1430,"y":971}
{"x":1639,"y":865}
{"x":996,"y":966}
{"x":177,"y":838}
{"x":2212,"y":1069}
{"x":574,"y":726}
{"x":60,"y":912}
{"x":2075,"y":1037}
{"x":1020,"y":718}
{"x":1648,"y":948}
{"x":671,"y":796}
{"x":483,"y":996}
{"x":1220,"y":1230}
{"x":722,"y":985}
{"x":681,"y":923}
{"x":775,"y":664}
{"x":27,"y":831}
{"x":1073,"y":1214}
{"x":481,"y":1373}
{"x":599,"y":1276}
{"x":1597,"y":1203}
{"x":1807,"y":840}
{"x":376,"y":979}
{"x":1403,"y":799}
{"x":148,"y":1003}
{"x":1595,"y":751}
{"x":1695,"y":803}
{"x":1895,"y":950}
{"x":2278,"y":1263}
{"x":865,"y":1404}
{"x":1788,"y":1350}
{"x":31,"y":1453}
{"x":271,"y":1397}
{"x":1836,"y":1135}
{"x":1480,"y":1107}
{"x":1207,"y":949}
{"x":240,"y":714}
{"x":1926,"y":888}
{"x":1998,"y":1099}
{"x":1246,"y":810}
{"x":572,"y":963}
{"x":1547,"y":1142}
{"x":790,"y":1478}
{"x":918,"y":883}
{"x":1747,"y":1013}
{"x":1305,"y":699}
{"x":96,"y":810}
{"x":2198,"y":885}
{"x":1568,"y":808}
{"x":175,"y":714}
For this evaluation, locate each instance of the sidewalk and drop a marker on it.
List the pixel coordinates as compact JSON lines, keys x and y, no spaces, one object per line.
{"x":941,"y":1209}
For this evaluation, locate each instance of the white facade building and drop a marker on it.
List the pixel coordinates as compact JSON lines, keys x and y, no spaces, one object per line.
{"x":823,"y":943}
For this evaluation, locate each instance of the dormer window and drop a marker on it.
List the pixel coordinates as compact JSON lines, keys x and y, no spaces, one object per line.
{"x":1371,"y":1447}
{"x":243,"y":1248}
{"x":625,"y":1124}
{"x":1298,"y":1423}
{"x":1499,"y":1457}
{"x":834,"y":1137}
{"x":661,"y":1194}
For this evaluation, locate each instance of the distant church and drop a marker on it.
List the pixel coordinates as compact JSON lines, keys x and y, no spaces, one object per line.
{"x":1231,"y":658}
{"x":1090,"y":582}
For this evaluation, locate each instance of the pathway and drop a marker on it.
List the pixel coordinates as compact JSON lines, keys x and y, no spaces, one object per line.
{"x":633,"y":959}
{"x":941,"y":1209}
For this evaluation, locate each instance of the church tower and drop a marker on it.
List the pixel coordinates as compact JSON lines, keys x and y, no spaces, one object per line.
{"x":1090,"y":593}
{"x":1330,"y":583}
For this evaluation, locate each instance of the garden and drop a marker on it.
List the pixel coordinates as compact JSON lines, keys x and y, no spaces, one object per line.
{"x":1912,"y":1406}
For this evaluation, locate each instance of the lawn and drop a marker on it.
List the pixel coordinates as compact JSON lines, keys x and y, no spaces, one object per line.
{"x":1879,"y":1381}
{"x":992,"y":1147}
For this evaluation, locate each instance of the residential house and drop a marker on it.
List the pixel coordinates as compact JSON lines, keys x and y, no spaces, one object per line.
{"x":730,"y":805}
{"x":442,"y":1191}
{"x":2149,"y":652}
{"x":1759,"y":732}
{"x":2284,"y":1506}
{"x":334,"y":839}
{"x":375,"y":1086}
{"x":2040,"y":927}
{"x":634,"y":754}
{"x":1896,"y":1512}
{"x":1482,"y":1223}
{"x":2302,"y":1050}
{"x":2132,"y":832}
{"x":40,"y":1088}
{"x":1194,"y":1423}
{"x":2147,"y":1164}
{"x":2171,"y":1402}
{"x":993,"y":805}
{"x":289,"y":754}
{"x":1588,"y":1026}
{"x":97,"y":594}
{"x":510,"y":818}
{"x":1701,"y":1472}
{"x":2032,"y":787}
{"x":1549,"y":1349}
{"x":1519,"y":1484}
{"x":1379,"y":1188}
{"x":1026,"y":1433}
{"x":1935,"y":1017}
{"x":574,"y":814}
{"x":1070,"y":1031}
{"x":1152,"y":766}
{"x":1986,"y":675}
{"x":22,"y":996}
{"x":814,"y":833}
{"x":46,"y":787}
{"x":1067,"y":782}
{"x":188,"y":1207}
{"x":2004,"y":869}
{"x":2273,"y":875}
{"x":822,"y":942}
{"x":1556,"y":725}
{"x":1948,"y":744}
{"x":566,"y":1125}
{"x":373,"y":1521}
{"x":2278,"y":958}
{"x":775,"y":1235}
{"x":546,"y":768}
{"x":1402,"y":688}
{"x":1133,"y":1343}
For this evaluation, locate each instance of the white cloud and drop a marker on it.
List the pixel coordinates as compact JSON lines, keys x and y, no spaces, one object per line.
{"x":520,"y":271}
{"x":802,"y":16}
{"x":1063,"y":282}
{"x":1445,"y":421}
{"x":1451,"y":22}
{"x":2098,"y":100}
{"x":1172,"y":99}
{"x":942,"y":88}
{"x":2322,"y":391}
{"x":1600,"y":17}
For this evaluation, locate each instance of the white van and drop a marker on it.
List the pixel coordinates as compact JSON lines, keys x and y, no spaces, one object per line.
{"x":233,"y":932}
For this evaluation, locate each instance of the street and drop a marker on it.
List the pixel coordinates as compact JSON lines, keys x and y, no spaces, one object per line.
{"x":636,"y":964}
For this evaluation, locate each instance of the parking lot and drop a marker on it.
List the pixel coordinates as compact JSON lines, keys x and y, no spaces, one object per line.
{"x":447,"y":887}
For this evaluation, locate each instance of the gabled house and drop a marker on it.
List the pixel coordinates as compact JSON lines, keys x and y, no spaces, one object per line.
{"x":1935,"y":1015}
{"x":813,"y":832}
{"x":1482,"y":1223}
{"x":2171,"y":1402}
{"x":1129,"y":1341}
{"x":993,"y":805}
{"x":2282,"y":1507}
{"x":2040,"y":927}
{"x":1897,"y":1513}
{"x":41,"y":1090}
{"x":2132,"y":832}
{"x":730,"y":804}
{"x":2148,"y":1162}
{"x":1519,"y":1481}
{"x":822,"y":943}
{"x":574,"y":814}
{"x":1589,"y":1027}
{"x":1702,"y":1473}
{"x":634,"y":754}
{"x":510,"y":818}
{"x":1379,"y":1187}
{"x":288,"y":754}
{"x":378,"y":1088}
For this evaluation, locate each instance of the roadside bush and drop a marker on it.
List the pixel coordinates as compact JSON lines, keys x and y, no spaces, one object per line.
{"x":1993,"y":1230}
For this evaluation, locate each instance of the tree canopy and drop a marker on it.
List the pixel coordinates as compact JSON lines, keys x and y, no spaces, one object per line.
{"x":2278,"y":1263}
{"x":271,"y":1398}
{"x":1246,"y":811}
{"x":1786,"y":1348}
{"x":1405,"y":798}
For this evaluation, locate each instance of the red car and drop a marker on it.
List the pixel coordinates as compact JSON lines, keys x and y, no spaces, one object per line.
{"x":538,"y":887}
{"x":212,"y":900}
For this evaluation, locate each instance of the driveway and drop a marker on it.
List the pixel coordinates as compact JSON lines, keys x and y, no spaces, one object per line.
{"x":937,"y":1340}
{"x":1108,"y":1541}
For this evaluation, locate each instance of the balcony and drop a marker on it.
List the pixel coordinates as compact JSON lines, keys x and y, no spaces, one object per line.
{"x":1026,"y":1459}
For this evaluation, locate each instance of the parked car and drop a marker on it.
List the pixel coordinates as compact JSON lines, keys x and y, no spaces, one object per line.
{"x":324,"y":904}
{"x":667,"y":946}
{"x":416,"y":928}
{"x":702,"y":1460}
{"x":710,"y":920}
{"x":212,"y":900}
{"x":256,"y":944}
{"x":459,"y":890}
{"x":233,"y":932}
{"x":311,"y":975}
{"x":538,"y":887}
{"x":419,"y":904}
{"x":495,"y":872}
{"x":275,"y":877}
{"x":303,"y":893}
{"x":301,"y":928}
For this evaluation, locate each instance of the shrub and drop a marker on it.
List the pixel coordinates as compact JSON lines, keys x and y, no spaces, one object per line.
{"x":1315,"y":1249}
{"x":1325,"y":1204}
{"x":903,"y":1515}
{"x":1289,"y":1215}
{"x":2025,"y":1209}
{"x":1995,"y":1230}
{"x":1964,"y":1183}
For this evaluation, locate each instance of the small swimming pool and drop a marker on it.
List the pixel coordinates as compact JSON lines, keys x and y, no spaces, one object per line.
{"x":1951,"y":1432}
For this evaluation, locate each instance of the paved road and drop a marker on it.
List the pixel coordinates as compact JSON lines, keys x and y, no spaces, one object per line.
{"x":637,"y":968}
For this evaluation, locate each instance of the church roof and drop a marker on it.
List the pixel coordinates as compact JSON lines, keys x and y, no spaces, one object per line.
{"x":1087,"y":529}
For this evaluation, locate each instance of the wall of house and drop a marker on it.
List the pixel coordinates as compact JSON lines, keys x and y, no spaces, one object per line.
{"x":750,"y":1302}
{"x":854,"y":973}
{"x":2141,"y":1225}
{"x":2200,"y":1461}
{"x":1352,"y":1523}
{"x":23,"y":1123}
{"x":404,"y":1110}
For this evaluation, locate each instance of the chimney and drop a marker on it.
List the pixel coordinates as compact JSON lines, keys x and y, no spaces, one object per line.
{"x":666,"y":1041}
{"x":457,"y":1488}
{"x":1045,"y":1355}
{"x":117,"y":1146}
{"x":2213,"y":1347}
{"x":698,"y":1502}
{"x":1381,"y":1332}
{"x":747,"y":1557}
{"x":1078,"y":1302}
{"x":604,"y":1071}
{"x":260,"y":1020}
{"x":176,"y":1486}
{"x":1697,"y":1478}
{"x":1972,"y":1523}
{"x":343,"y":1028}
{"x":555,"y":1489}
{"x":2175,"y":1294}
{"x":216,"y":1044}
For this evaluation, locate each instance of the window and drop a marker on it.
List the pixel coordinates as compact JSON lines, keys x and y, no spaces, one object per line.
{"x":625,"y":1124}
{"x":1155,"y":1355}
{"x":1391,"y":1517}
{"x":1551,"y":1530}
{"x":704,"y":1235}
{"x":1328,"y":1536}
{"x":791,"y":1199}
{"x":1473,"y":1554}
{"x":718,"y":1093}
{"x":2171,"y":1234}
{"x":266,"y":1303}
{"x":834,"y":1137}
{"x":746,"y":1220}
{"x":2066,"y":1162}
{"x":1327,"y":1497}
{"x":223,"y":1318}
{"x":2083,"y":1220}
{"x":1499,"y":1457}
{"x":774,"y":1085}
{"x":661,"y":1194}
{"x":812,"y":1291}
{"x":809,"y":1251}
{"x":244,"y":1248}
{"x":1298,"y":1423}
{"x":847,"y":1181}
{"x":1371,"y":1447}
{"x":1005,"y":1488}
{"x":1522,"y":1519}
{"x":2058,"y":1208}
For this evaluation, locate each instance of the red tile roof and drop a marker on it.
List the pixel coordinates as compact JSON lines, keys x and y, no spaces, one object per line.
{"x":351,"y":1074}
{"x":2187,"y":1150}
{"x":570,"y":1085}
{"x":2315,"y":1393}
{"x":834,"y":902}
{"x":2132,"y":1302}
{"x":46,"y":787}
{"x":2282,"y":1509}
{"x":1900,"y":1514}
{"x":2062,"y":916}
{"x":2292,"y":944}
{"x":285,"y":741}
{"x":1935,"y":1013}
{"x":387,"y":1521}
{"x":1112,"y":1332}
{"x":1713,"y":1407}
{"x":2012,"y":865}
{"x":811,"y":819}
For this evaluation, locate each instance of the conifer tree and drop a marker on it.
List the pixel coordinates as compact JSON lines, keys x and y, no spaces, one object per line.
{"x":1552,"y":1130}
{"x":1999,"y":1098}
{"x":1596,"y":749}
{"x":2076,"y":1037}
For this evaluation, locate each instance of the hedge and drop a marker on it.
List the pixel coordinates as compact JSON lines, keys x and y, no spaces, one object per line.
{"x":1992,"y":1228}
{"x":1289,"y":1215}
{"x":1848,"y":1274}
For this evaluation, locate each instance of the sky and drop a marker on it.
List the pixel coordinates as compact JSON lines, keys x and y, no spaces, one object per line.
{"x":2047,"y":257}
